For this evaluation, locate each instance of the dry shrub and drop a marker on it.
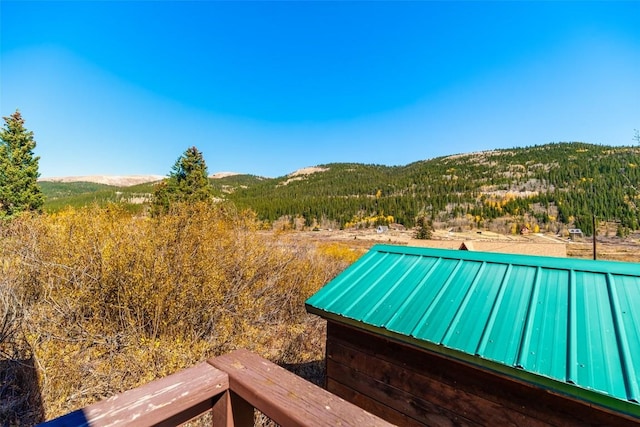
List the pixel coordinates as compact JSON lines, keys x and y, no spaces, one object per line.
{"x":340,"y":252}
{"x":19,"y":392}
{"x":112,"y":301}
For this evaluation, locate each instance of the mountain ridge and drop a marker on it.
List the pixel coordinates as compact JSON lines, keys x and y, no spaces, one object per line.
{"x":135,"y":179}
{"x":113,"y":180}
{"x":547,"y":186}
{"x":121,"y":180}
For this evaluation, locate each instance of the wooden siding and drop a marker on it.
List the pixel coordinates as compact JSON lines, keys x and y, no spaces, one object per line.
{"x":411,"y":386}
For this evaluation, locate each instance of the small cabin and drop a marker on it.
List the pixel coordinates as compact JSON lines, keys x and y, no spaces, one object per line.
{"x":423,"y":336}
{"x":575,"y":234}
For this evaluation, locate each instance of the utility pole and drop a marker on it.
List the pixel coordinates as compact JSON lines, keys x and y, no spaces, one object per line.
{"x":593,"y":222}
{"x":593,"y":218}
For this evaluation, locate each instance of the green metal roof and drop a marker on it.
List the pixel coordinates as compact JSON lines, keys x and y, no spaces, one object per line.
{"x":569,"y":325}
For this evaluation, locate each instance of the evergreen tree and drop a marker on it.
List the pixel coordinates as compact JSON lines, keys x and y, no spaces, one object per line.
{"x":19,"y":190}
{"x":424,"y":228}
{"x":187,"y":182}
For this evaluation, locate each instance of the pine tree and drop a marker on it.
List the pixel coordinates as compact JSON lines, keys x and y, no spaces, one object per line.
{"x":187,"y":182}
{"x":424,"y":228}
{"x":19,"y":190}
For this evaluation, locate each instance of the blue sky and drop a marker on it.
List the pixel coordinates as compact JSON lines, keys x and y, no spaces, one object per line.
{"x":266,"y":88}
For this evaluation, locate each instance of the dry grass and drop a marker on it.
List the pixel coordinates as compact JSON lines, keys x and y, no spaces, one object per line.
{"x":617,"y":250}
{"x":109,"y":301}
{"x":608,"y":248}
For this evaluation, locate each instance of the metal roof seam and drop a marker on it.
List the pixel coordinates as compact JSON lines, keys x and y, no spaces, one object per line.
{"x":589,"y":345}
{"x":606,"y":309}
{"x":373,"y":285}
{"x":345,"y":275}
{"x":486,"y":333}
{"x":463,"y":304}
{"x":572,"y":325}
{"x":553,"y":335}
{"x":423,"y":320}
{"x":625,"y":354}
{"x":377,"y":305}
{"x":415,"y":291}
{"x":525,"y":338}
{"x":355,"y":282}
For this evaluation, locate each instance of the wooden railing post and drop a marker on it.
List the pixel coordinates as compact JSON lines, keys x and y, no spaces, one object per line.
{"x":232,"y":387}
{"x":284,"y":397}
{"x":171,"y":400}
{"x":232,"y":411}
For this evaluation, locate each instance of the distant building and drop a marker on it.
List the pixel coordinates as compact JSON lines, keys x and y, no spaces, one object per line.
{"x":466,"y":246}
{"x":575,"y":233}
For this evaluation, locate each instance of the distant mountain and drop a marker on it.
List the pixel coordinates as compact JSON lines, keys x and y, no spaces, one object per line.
{"x":548,"y":187}
{"x":219,"y":175}
{"x":122,"y":180}
{"x":115,"y":180}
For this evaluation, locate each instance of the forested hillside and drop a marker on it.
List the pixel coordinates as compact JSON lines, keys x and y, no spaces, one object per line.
{"x":78,"y":194}
{"x":548,"y":187}
{"x":554,"y":183}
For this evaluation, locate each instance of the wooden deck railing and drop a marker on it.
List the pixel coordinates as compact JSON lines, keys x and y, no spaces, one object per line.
{"x":230,"y":387}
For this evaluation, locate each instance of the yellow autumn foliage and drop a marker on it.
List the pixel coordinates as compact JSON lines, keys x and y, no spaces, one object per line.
{"x":340,"y":252}
{"x":369,"y":221}
{"x":111,"y":300}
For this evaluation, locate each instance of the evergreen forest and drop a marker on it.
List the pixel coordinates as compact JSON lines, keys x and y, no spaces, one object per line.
{"x":552,"y":186}
{"x":565,"y":183}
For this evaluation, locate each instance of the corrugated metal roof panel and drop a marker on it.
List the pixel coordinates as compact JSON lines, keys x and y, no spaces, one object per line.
{"x":566,"y":324}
